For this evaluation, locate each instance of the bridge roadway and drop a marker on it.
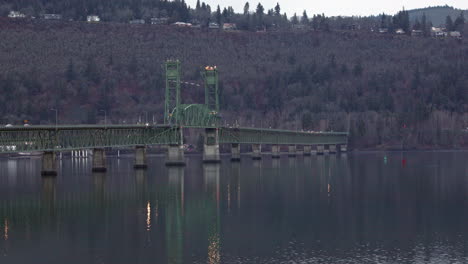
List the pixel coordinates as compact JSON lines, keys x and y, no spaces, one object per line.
{"x":53,"y":139}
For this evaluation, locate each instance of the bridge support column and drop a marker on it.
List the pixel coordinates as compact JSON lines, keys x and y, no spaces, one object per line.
{"x":49,"y":164}
{"x":307,"y":150}
{"x":175,"y":155}
{"x":275,"y":152}
{"x":332,"y":149}
{"x":344,"y":148}
{"x":256,"y":151}
{"x":235,"y":152}
{"x":211,"y":147}
{"x":99,"y":160}
{"x":299,"y":151}
{"x":140,"y":158}
{"x":292,"y":151}
{"x":320,"y":149}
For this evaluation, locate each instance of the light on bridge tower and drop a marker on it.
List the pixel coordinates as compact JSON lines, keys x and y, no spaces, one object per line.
{"x":172,"y":95}
{"x":210,"y":76}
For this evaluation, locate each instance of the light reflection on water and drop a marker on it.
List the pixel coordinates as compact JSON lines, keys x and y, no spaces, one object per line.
{"x":354,"y":208}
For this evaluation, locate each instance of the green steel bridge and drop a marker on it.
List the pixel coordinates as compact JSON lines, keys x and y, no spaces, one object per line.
{"x":177,"y":117}
{"x":66,"y":138}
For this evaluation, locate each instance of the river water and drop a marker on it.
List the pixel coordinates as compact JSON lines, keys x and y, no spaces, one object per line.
{"x":354,"y":208}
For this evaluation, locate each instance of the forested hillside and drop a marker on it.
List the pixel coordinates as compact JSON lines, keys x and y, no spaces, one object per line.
{"x":386,"y":89}
{"x":437,"y":14}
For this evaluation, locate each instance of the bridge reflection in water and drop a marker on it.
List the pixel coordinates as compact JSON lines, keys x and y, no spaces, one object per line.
{"x":274,"y":210}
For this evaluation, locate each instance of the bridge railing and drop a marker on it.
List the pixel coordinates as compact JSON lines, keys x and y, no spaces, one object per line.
{"x":280,"y":137}
{"x":55,"y":138}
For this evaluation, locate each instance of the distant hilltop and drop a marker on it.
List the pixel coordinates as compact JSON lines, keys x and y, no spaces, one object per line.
{"x":436,"y":14}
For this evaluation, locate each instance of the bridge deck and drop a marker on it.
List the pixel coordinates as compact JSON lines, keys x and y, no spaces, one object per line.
{"x":74,"y":137}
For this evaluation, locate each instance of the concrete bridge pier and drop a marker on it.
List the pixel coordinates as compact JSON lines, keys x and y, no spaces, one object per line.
{"x":307,"y":150}
{"x":320,"y":149}
{"x":99,"y":160}
{"x":275,"y":152}
{"x":235,"y":152}
{"x":256,"y":151}
{"x":140,"y":158}
{"x":299,"y":151}
{"x":175,"y":155}
{"x":344,"y":148}
{"x":49,"y":164}
{"x":332,"y":149}
{"x":292,"y":151}
{"x":211,"y":146}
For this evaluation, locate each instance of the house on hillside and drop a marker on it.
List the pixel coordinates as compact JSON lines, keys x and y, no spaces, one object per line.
{"x":182,"y":24}
{"x":455,"y":34}
{"x":213,"y":25}
{"x":159,"y":20}
{"x":417,"y":33}
{"x":93,"y":18}
{"x":16,"y":14}
{"x":299,"y":27}
{"x":52,"y":16}
{"x":137,"y":21}
{"x":383,"y":30}
{"x":400,"y":31}
{"x":438,"y":32}
{"x":229,"y":26}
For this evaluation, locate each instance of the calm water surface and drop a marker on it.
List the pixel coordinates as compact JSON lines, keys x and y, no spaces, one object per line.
{"x":353,"y":208}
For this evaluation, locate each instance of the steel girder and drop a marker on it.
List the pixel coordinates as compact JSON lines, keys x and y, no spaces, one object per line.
{"x":196,"y":115}
{"x":280,"y":137}
{"x":58,"y":138}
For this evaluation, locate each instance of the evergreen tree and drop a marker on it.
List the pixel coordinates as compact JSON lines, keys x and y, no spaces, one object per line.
{"x":417,"y":25}
{"x":70,"y":74}
{"x":246,"y":8}
{"x":305,"y":18}
{"x":383,"y":21}
{"x":260,"y":10}
{"x":218,"y":15}
{"x":459,"y":23}
{"x":424,"y":27}
{"x":449,"y":23}
{"x":277,"y":10}
{"x":295,"y":20}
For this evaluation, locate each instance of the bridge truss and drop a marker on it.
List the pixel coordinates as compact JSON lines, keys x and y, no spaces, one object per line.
{"x":176,"y":117}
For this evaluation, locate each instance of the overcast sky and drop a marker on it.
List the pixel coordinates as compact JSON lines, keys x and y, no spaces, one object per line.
{"x":335,"y":7}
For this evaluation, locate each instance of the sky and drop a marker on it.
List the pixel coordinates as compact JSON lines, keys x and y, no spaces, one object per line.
{"x":335,"y":7}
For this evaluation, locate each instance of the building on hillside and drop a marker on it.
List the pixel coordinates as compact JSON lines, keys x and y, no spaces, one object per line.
{"x":455,"y":34}
{"x":400,"y":31}
{"x":159,"y":20}
{"x":182,"y":24}
{"x":52,"y":16}
{"x":438,"y":32}
{"x":299,"y":27}
{"x":417,"y":33}
{"x":16,"y":14}
{"x":383,"y":30}
{"x":93,"y":18}
{"x":229,"y":26}
{"x":213,"y":25}
{"x":137,"y":21}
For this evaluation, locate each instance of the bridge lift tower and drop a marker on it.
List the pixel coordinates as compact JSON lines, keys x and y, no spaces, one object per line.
{"x":172,"y":95}
{"x":210,"y":76}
